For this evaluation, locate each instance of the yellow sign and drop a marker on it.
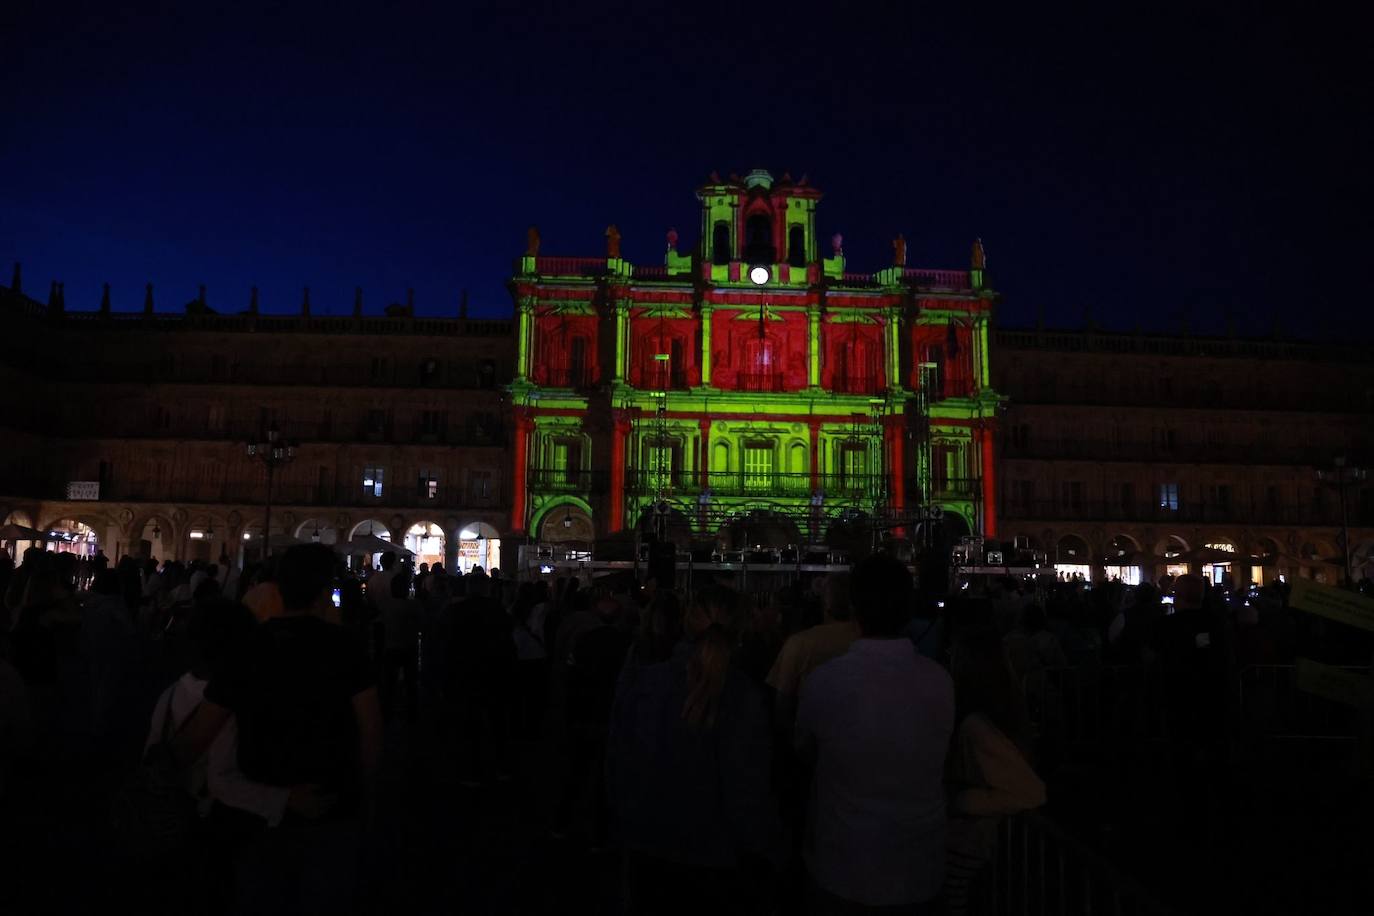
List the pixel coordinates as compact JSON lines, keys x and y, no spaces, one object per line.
{"x":1333,"y":603}
{"x":1340,"y":685}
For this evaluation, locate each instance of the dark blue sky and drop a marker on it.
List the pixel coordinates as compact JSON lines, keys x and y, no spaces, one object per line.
{"x":1150,"y":163}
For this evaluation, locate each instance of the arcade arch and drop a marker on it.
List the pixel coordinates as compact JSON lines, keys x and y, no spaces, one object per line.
{"x":1072,"y":557}
{"x":479,"y":544}
{"x":427,"y":541}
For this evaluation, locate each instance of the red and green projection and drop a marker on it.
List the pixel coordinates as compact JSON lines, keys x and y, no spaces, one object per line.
{"x":751,"y":390}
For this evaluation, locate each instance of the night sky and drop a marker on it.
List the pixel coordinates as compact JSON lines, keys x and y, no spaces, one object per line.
{"x":1155,"y":166}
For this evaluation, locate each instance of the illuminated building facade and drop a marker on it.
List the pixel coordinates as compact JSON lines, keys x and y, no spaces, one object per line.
{"x":125,"y":430}
{"x":752,"y":390}
{"x":1131,"y":454}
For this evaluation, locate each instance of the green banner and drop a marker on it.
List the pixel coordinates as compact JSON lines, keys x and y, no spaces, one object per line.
{"x":1333,"y":603}
{"x":1349,"y":688}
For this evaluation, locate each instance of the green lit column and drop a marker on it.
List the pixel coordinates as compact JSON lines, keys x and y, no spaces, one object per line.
{"x":622,"y":321}
{"x":983,"y":351}
{"x":813,"y":365}
{"x":893,"y":344}
{"x":706,"y":346}
{"x":522,"y":357}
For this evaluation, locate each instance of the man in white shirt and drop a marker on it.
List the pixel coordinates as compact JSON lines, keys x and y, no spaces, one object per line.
{"x":878,"y":721}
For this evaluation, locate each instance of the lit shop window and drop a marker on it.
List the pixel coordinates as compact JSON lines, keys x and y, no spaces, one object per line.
{"x":372,"y":481}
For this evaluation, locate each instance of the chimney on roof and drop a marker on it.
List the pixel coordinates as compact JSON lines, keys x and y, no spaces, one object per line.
{"x":463,"y":305}
{"x":305,"y":303}
{"x":105,"y":299}
{"x":17,"y":284}
{"x":52,"y":295}
{"x":357,"y":302}
{"x":253,"y":302}
{"x":148,"y":300}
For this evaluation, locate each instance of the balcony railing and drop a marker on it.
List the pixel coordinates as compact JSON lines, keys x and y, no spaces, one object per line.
{"x":855,"y":384}
{"x":570,"y":267}
{"x":870,"y":487}
{"x":292,"y":494}
{"x":1097,"y":510}
{"x":761,"y":381}
{"x":1262,"y":451}
{"x":938,"y":279}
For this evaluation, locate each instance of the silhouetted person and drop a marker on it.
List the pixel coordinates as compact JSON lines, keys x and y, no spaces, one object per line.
{"x":481,"y":671}
{"x":401,"y":645}
{"x":595,"y":661}
{"x":989,"y":771}
{"x":308,"y":716}
{"x":687,"y":768}
{"x":877,"y":720}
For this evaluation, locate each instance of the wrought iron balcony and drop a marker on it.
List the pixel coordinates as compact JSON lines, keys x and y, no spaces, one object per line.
{"x":761,"y":381}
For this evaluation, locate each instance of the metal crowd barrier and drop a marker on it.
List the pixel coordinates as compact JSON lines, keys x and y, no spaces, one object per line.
{"x":1039,"y":869}
{"x":1273,"y":708}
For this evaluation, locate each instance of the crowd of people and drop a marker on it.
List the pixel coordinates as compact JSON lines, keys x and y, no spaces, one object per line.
{"x":842,"y":745}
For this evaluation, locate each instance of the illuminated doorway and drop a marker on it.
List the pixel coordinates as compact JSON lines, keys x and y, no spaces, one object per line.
{"x":479,"y":544}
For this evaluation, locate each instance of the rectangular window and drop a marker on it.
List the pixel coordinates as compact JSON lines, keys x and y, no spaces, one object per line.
{"x":567,"y":460}
{"x":1073,"y":495}
{"x":945,"y":466}
{"x":758,"y":467}
{"x":479,"y":486}
{"x":854,"y":464}
{"x":1221,"y":496}
{"x":1168,"y":496}
{"x":577,"y":362}
{"x":427,"y":487}
{"x":372,"y":481}
{"x":376,"y":424}
{"x":432,"y":424}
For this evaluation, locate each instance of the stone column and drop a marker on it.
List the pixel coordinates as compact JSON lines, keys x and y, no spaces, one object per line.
{"x":706,"y":345}
{"x":620,"y":432}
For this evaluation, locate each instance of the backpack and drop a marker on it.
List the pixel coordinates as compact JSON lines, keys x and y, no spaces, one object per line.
{"x":153,"y":815}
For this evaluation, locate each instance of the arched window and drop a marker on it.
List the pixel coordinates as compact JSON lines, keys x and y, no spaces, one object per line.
{"x":758,"y":240}
{"x":720,"y":243}
{"x":678,"y":368}
{"x":796,"y":246}
{"x":577,"y":362}
{"x":761,"y":372}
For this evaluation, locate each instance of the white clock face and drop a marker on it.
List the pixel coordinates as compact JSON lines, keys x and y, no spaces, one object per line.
{"x":759,"y":275}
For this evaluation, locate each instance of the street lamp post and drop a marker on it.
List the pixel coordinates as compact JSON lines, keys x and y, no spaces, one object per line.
{"x":1339,"y":477}
{"x":274,"y":452}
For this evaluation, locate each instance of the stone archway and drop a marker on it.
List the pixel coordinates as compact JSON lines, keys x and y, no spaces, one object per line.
{"x":153,"y":535}
{"x":479,"y":544}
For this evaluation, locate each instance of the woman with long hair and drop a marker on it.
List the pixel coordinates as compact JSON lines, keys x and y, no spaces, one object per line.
{"x":989,"y":773}
{"x":687,"y":764}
